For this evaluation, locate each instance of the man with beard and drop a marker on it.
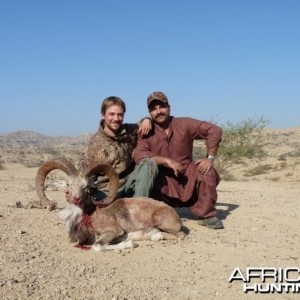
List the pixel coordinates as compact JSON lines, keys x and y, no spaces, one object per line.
{"x":114,"y":144}
{"x":181,"y":181}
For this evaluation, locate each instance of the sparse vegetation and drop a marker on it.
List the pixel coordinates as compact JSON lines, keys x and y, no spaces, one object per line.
{"x":258,"y":170}
{"x":282,"y":157}
{"x":282,"y":165}
{"x":293,"y":154}
{"x":240,"y":141}
{"x":245,"y":145}
{"x":52,"y":151}
{"x":229,"y":177}
{"x":33,"y":164}
{"x":274,"y":179}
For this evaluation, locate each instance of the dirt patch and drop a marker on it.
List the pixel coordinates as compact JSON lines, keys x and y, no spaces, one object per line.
{"x":261,"y":221}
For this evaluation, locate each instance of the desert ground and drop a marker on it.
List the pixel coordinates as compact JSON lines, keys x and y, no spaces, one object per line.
{"x":261,"y":214}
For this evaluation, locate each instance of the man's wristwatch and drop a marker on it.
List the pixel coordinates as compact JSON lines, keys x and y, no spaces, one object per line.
{"x":210,"y":157}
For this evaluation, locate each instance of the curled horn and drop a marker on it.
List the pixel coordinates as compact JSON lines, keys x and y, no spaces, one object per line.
{"x":48,"y":166}
{"x":112,"y":175}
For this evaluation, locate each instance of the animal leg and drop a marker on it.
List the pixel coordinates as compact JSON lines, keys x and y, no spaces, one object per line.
{"x":161,"y":235}
{"x":105,"y":237}
{"x":168,"y":236}
{"x":167,"y":220}
{"x":120,"y":246}
{"x":137,"y":236}
{"x":154,"y":235}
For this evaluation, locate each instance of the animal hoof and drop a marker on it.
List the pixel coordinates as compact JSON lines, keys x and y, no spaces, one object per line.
{"x":97,"y":247}
{"x":157,"y":237}
{"x":130,"y":244}
{"x":181,"y":235}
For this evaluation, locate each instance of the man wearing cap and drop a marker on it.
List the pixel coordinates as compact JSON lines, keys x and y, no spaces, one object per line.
{"x":181,"y":181}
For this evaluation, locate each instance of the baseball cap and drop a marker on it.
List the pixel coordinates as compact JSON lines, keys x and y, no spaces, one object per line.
{"x":157,"y":96}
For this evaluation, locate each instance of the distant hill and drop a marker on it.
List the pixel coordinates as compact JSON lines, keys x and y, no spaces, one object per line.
{"x":280,"y":163}
{"x":31,"y":148}
{"x":35,"y":137}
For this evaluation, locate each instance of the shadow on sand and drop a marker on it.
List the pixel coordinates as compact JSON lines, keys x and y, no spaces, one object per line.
{"x":223,"y":211}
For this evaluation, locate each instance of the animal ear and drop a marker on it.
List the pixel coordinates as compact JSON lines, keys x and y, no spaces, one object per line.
{"x":96,"y":170}
{"x":92,"y":182}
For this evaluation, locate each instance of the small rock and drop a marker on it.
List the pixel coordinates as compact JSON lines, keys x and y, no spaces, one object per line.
{"x":19,"y":204}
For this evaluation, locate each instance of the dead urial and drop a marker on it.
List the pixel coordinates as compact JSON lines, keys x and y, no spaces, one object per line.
{"x":119,"y":222}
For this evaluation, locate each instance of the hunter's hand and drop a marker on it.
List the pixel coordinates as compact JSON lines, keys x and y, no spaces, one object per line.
{"x":145,"y":127}
{"x":203,"y":165}
{"x":175,"y":166}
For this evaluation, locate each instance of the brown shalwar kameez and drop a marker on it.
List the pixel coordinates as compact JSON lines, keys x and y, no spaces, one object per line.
{"x":189,"y":188}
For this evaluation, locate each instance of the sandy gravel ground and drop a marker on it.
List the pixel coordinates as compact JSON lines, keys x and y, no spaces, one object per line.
{"x":38,"y":262}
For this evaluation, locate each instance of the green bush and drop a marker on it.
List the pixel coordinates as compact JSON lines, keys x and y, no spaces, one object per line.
{"x":239,"y":141}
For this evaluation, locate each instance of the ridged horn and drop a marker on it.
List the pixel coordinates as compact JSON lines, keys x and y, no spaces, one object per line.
{"x":53,"y":164}
{"x":112,"y":175}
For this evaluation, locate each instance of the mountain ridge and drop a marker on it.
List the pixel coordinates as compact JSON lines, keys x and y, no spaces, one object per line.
{"x":33,"y":136}
{"x":31,"y":148}
{"x":281,"y":161}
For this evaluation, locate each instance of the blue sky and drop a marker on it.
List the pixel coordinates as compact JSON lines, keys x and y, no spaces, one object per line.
{"x":220,"y":60}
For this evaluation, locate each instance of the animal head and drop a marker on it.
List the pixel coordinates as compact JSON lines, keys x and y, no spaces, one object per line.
{"x":80,"y":185}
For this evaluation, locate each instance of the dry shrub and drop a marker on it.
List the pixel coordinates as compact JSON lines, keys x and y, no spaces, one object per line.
{"x":239,"y":141}
{"x":259,"y":170}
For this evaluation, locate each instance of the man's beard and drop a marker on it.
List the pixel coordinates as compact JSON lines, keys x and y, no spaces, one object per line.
{"x":115,"y":127}
{"x":161,"y":119}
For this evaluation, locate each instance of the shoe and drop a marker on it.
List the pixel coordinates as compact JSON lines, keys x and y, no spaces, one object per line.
{"x":212,"y":222}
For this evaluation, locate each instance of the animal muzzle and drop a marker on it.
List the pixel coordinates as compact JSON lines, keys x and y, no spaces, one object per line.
{"x":76,"y":201}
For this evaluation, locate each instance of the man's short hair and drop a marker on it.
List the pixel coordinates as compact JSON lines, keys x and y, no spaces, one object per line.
{"x":110,"y":101}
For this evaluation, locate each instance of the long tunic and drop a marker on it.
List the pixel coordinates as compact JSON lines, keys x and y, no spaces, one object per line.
{"x":178,"y":145}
